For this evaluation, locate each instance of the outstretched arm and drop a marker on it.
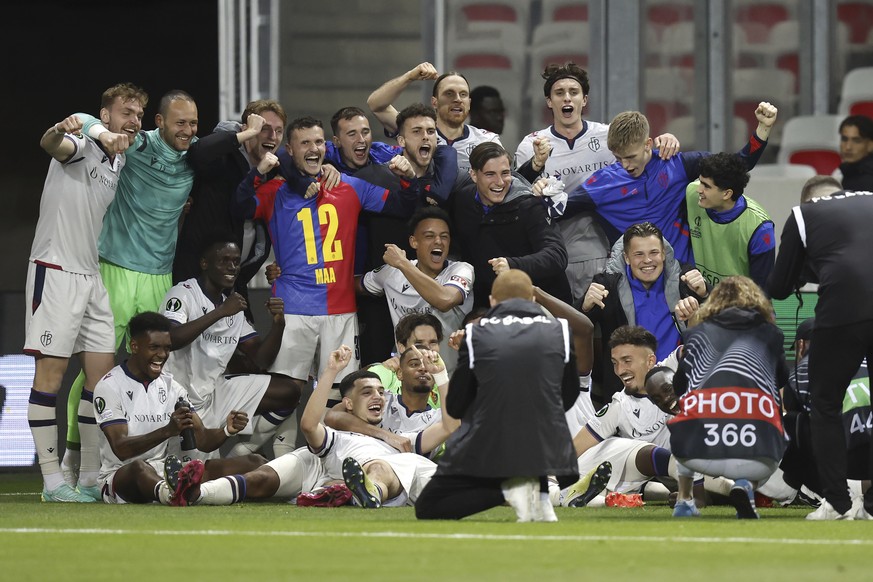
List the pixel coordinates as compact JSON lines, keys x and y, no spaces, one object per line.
{"x":310,"y":421}
{"x":381,"y":100}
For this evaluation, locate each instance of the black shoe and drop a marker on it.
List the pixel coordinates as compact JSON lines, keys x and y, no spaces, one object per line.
{"x":590,"y":485}
{"x":364,"y":491}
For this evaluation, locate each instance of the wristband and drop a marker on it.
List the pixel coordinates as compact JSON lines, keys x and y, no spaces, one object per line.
{"x":95,"y":131}
{"x":441,"y":378}
{"x":227,"y":432}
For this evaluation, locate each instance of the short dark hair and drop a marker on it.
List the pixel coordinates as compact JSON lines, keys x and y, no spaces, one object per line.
{"x":727,"y":171}
{"x":259,"y":106}
{"x":862,"y":122}
{"x":415,"y":110}
{"x":215,"y":239}
{"x":635,"y":335}
{"x":480,"y":93}
{"x":345,"y":113}
{"x":436,"y":84}
{"x":641,"y":230}
{"x":347,"y":383}
{"x":171,"y":96}
{"x":304,"y":122}
{"x":426,"y":213}
{"x":485,"y":151}
{"x":407,"y":324}
{"x":475,"y":313}
{"x":147,"y":321}
{"x":554,"y":73}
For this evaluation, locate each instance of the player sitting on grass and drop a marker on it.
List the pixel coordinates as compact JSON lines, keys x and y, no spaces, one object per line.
{"x":375,"y":472}
{"x":134,"y":406}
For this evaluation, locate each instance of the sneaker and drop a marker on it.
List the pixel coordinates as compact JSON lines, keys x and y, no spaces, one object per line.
{"x":330,"y":496}
{"x":63,"y":493}
{"x":92,"y":491}
{"x":804,"y":499}
{"x":614,"y":499}
{"x":522,"y":494}
{"x":589,"y":486}
{"x":742,"y":497}
{"x":364,"y":491}
{"x":543,"y":511}
{"x":686,"y":508}
{"x":826,"y":512}
{"x":858,"y":511}
{"x":172,"y":466}
{"x":189,"y":479}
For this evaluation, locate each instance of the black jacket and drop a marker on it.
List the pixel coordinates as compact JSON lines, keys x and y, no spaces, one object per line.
{"x":511,"y":388}
{"x":858,"y":175}
{"x":518,"y":229}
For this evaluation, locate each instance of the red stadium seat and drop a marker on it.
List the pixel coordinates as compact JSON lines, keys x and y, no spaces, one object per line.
{"x":824,"y":161}
{"x":490,"y":12}
{"x":574,"y":11}
{"x":667,"y":14}
{"x":858,"y":16}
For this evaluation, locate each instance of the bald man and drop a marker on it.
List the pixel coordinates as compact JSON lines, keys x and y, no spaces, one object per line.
{"x":516,"y":376}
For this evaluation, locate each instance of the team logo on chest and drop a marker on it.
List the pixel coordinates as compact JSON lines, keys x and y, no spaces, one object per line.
{"x":229,"y":320}
{"x":594,"y":144}
{"x":162,"y":394}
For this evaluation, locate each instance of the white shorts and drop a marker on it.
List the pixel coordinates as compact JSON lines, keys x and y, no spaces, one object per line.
{"x":298,"y":471}
{"x":751,"y":469}
{"x":66,"y":313}
{"x":621,"y":453}
{"x":107,"y":487}
{"x":413,"y":471}
{"x":242,"y":392}
{"x":308,"y":341}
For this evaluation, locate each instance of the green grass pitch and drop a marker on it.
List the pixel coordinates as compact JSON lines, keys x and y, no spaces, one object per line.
{"x":267,"y":541}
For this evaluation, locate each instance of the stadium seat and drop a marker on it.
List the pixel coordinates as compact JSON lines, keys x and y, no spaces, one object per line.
{"x":562,"y":36}
{"x":777,"y":188}
{"x":858,"y":16}
{"x":812,"y":140}
{"x":856,"y":93}
{"x":751,"y":86}
{"x":667,"y":13}
{"x":767,"y":13}
{"x":564,"y":10}
{"x":677,"y":45}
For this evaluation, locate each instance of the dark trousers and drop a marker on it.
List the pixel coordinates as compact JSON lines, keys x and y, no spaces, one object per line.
{"x":834,"y":358}
{"x":457,"y":496}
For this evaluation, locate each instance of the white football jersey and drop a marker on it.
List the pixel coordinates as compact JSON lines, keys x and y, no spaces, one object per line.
{"x":144,"y":407}
{"x":572,"y":161}
{"x":471,"y":137}
{"x":632,"y":417}
{"x":198,"y":365}
{"x":340,"y":444}
{"x":399,"y":419}
{"x":404,"y":299}
{"x":74,"y":200}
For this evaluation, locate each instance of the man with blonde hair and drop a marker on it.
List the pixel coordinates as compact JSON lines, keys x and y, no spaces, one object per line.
{"x":640,"y":186}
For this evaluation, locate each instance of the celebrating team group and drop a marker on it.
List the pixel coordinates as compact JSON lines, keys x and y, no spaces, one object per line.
{"x":585,"y":320}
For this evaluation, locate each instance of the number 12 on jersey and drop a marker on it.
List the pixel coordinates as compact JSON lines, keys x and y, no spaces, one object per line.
{"x":331,"y":249}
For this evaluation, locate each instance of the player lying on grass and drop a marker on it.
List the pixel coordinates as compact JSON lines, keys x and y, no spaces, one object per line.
{"x":375,"y":472}
{"x":134,"y":404}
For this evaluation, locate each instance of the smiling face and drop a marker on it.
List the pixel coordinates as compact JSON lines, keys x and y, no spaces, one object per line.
{"x":307,"y":149}
{"x":431,"y":241}
{"x":631,"y":364}
{"x":709,"y":195}
{"x":353,"y":139}
{"x":853,"y":146}
{"x":366,"y":400}
{"x":148,"y":353}
{"x":452,"y":101}
{"x":645,"y":256}
{"x":566,"y":100}
{"x":418,"y":138}
{"x":221,"y":266}
{"x":123,"y":117}
{"x":634,"y":158}
{"x":493,"y":180}
{"x":268,"y":139}
{"x":179,"y":126}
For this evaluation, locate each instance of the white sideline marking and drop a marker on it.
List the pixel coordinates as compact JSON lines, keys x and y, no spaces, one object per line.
{"x":436,"y":536}
{"x":16,"y":494}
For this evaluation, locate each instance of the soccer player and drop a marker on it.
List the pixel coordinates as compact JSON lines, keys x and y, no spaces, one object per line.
{"x":138,"y":239}
{"x":451,"y":99}
{"x":208,"y":328}
{"x":352,"y":147}
{"x":570,"y":150}
{"x":332,"y":456}
{"x":136,"y":406}
{"x":641,"y":186}
{"x":731,"y":234}
{"x":68,"y":311}
{"x":431,"y":283}
{"x":314,"y":241}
